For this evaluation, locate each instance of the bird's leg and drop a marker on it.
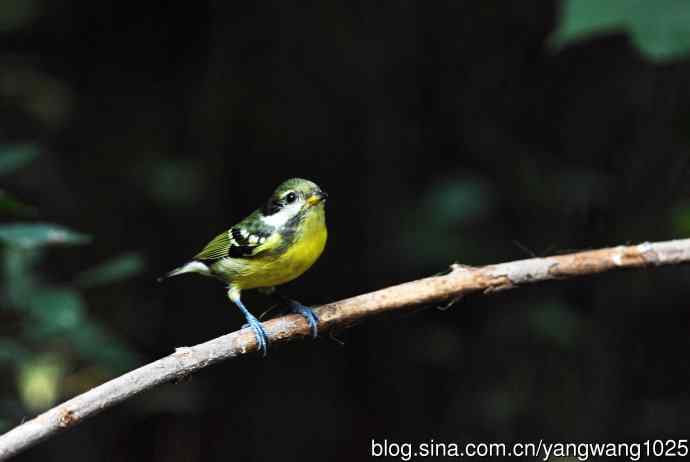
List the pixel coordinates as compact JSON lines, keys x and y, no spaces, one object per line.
{"x":294,"y":306}
{"x":252,"y":322}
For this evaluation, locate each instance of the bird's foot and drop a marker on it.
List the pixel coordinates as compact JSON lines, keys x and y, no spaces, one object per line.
{"x":261,"y":337}
{"x":308,"y":313}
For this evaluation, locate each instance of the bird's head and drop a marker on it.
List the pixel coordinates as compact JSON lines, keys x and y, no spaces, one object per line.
{"x":293,"y":197}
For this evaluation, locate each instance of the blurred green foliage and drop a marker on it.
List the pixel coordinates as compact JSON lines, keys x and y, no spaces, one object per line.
{"x":11,"y":206}
{"x":51,"y":333}
{"x":38,"y":94}
{"x":448,"y":207}
{"x":457,"y":201}
{"x":680,"y":217}
{"x":14,"y":157}
{"x":111,"y":271}
{"x":660,"y":29}
{"x":177,"y":182}
{"x":556,"y":322}
{"x":17,"y":14}
{"x":39,"y":235}
{"x":39,"y":380}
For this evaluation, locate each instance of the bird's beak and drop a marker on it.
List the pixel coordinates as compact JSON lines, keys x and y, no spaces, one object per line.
{"x":317,"y":197}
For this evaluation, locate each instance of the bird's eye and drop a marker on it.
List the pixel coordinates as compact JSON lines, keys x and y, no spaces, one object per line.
{"x":290,"y":197}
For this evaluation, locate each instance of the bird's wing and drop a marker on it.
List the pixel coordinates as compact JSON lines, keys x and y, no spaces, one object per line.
{"x":246,"y":239}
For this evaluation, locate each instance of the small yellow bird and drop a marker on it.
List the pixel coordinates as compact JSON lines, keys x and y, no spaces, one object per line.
{"x":272,"y":246}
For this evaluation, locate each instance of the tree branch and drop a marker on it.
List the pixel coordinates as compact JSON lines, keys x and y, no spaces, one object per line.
{"x":459,"y":282}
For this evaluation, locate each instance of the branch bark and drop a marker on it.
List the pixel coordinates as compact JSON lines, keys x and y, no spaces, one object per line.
{"x":459,"y":282}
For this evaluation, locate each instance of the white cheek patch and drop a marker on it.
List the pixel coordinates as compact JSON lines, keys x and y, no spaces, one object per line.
{"x":281,"y":217}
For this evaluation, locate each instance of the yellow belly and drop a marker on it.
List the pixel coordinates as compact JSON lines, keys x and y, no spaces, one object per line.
{"x":268,"y":271}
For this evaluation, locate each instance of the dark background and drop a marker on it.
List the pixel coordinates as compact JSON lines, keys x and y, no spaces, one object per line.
{"x":443,"y":132}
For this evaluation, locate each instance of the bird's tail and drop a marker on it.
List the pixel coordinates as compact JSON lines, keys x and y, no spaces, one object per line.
{"x":191,"y":267}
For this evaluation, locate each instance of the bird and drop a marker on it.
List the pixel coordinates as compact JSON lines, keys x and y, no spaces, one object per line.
{"x":275,"y":244}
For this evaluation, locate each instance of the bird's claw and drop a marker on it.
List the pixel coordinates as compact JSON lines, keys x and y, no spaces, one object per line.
{"x":309,"y":315}
{"x":260,"y":333}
